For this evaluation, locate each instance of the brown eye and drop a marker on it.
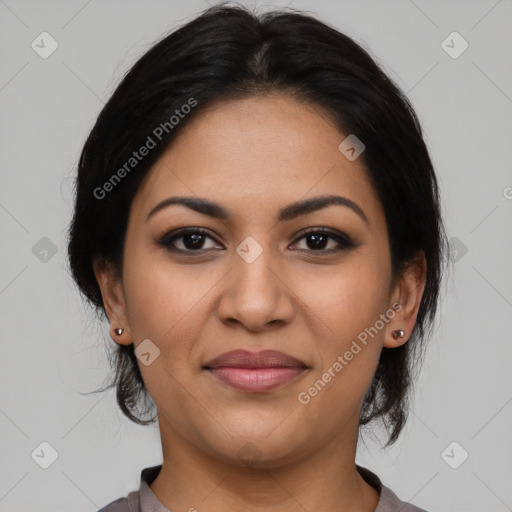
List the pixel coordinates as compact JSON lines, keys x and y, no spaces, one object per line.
{"x":322,"y":240}
{"x":190,"y":240}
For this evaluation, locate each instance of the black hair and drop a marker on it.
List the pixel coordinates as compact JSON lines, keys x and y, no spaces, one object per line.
{"x":229,"y":52}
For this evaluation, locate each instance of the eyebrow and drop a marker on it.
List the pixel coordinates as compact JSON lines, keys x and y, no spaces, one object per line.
{"x":207,"y":207}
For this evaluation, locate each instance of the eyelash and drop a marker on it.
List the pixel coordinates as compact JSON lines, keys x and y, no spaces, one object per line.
{"x":344,"y":242}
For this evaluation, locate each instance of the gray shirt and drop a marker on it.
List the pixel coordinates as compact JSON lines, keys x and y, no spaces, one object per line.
{"x":144,"y":500}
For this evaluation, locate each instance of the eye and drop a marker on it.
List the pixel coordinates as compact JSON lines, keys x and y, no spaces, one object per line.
{"x":186,"y":240}
{"x":195,"y":240}
{"x":318,"y":239}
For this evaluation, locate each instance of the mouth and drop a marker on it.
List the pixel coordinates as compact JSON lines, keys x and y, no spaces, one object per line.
{"x":255,"y":371}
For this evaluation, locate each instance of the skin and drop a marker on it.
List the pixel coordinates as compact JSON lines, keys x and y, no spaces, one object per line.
{"x":255,"y":156}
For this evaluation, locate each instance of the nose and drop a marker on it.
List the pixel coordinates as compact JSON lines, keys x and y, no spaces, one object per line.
{"x":256,"y":295}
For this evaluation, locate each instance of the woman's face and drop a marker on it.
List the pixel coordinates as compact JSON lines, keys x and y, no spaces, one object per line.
{"x":253,"y":280}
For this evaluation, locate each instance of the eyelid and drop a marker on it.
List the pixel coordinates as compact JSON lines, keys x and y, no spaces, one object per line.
{"x":320,"y":229}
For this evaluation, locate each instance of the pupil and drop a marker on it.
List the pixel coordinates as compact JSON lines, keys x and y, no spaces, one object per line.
{"x":322,"y":239}
{"x":196,"y":240}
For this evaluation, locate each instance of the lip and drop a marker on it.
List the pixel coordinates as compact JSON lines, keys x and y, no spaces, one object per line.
{"x":255,"y":371}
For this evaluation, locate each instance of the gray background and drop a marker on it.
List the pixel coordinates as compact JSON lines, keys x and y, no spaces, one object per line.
{"x":53,"y":350}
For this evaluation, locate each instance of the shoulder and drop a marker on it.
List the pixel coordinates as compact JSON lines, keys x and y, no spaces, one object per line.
{"x":390,"y":502}
{"x":119,"y":505}
{"x":141,"y":499}
{"x":130,"y":503}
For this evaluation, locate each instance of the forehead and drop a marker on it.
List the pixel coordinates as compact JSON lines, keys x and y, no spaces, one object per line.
{"x":260,"y":152}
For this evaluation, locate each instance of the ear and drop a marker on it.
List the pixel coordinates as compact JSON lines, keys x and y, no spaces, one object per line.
{"x":113,"y":299}
{"x":407,"y":291}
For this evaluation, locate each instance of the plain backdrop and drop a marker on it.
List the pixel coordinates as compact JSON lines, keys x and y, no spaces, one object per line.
{"x":53,"y":350}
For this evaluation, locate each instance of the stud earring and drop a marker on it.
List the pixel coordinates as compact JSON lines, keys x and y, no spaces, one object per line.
{"x":119,"y":331}
{"x":398,"y":334}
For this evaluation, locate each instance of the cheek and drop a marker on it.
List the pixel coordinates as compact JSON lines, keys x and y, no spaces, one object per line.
{"x":169,"y":305}
{"x":350,"y":304}
{"x":164,"y":305}
{"x":348,"y":356}
{"x":162,"y":298}
{"x":350,"y":299}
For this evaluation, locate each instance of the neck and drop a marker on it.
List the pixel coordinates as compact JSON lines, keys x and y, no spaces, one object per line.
{"x":325,"y":480}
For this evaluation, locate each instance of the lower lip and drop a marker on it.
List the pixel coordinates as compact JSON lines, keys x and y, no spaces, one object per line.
{"x":256,"y":379}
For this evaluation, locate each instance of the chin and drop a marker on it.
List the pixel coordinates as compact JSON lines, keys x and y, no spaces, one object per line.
{"x":260,"y":444}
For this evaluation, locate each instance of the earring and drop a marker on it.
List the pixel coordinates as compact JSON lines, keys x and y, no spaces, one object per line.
{"x":398,"y":334}
{"x":119,"y":331}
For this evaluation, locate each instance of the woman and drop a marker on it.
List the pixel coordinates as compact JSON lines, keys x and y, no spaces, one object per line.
{"x":258,"y":217}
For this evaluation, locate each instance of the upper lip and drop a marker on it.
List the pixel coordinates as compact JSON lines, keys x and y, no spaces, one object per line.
{"x":262,"y":359}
